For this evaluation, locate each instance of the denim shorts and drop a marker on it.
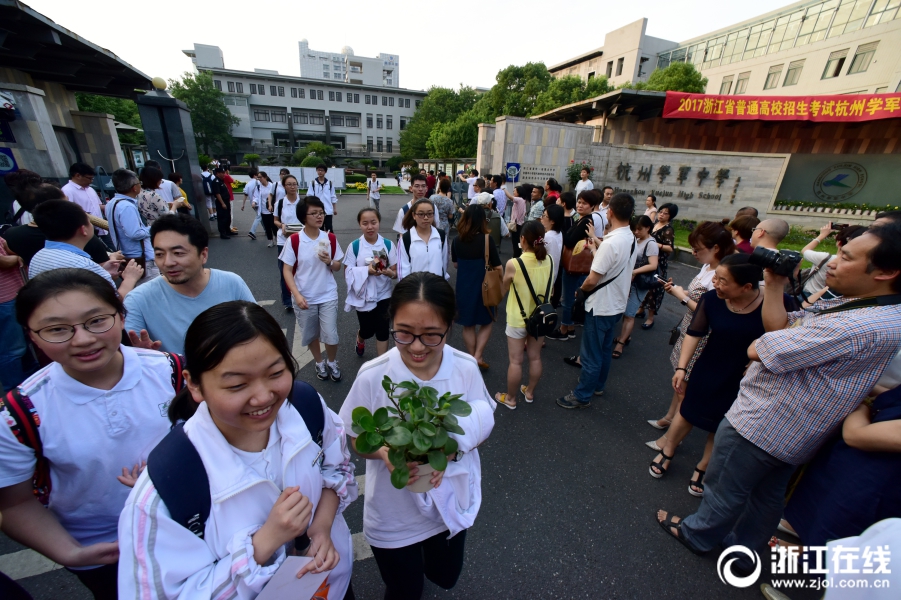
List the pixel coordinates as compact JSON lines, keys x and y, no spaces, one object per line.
{"x":636,"y":296}
{"x":318,"y":322}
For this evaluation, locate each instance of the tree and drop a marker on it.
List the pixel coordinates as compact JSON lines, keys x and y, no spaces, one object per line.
{"x":515,"y":92}
{"x":253,"y":159}
{"x":567,"y":90}
{"x":458,"y":138}
{"x":122,"y":109}
{"x":677,"y":77}
{"x":441,"y":105}
{"x":318,"y":150}
{"x":366,"y":163}
{"x":210,"y":118}
{"x":312,"y":161}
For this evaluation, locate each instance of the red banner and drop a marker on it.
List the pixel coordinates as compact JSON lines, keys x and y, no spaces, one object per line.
{"x":839,"y":108}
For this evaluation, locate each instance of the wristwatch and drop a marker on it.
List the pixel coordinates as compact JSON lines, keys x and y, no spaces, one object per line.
{"x":684,"y":301}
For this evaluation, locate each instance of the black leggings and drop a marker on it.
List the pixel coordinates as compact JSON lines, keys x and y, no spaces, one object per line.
{"x":375,"y":322}
{"x":514,"y":239}
{"x":102,"y":581}
{"x":269,"y":226}
{"x":438,"y":558}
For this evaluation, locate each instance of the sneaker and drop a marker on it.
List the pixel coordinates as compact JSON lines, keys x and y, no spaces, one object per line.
{"x":334,"y":372}
{"x":572,"y":334}
{"x":289,"y":308}
{"x":321,"y":371}
{"x":251,"y":235}
{"x":361,"y":345}
{"x":573,"y":361}
{"x":570,"y":401}
{"x":599,"y":392}
{"x":559,"y":335}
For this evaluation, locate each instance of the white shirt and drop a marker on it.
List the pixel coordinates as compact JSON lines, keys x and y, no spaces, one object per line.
{"x":399,"y":219}
{"x":261,"y":195}
{"x":288,"y":216}
{"x":168,"y":191}
{"x":314,"y":279}
{"x":553,"y":241}
{"x":650,"y":243}
{"x":431,"y":256}
{"x":86,"y":198}
{"x":583,"y":185}
{"x":471,"y":191}
{"x":373,"y":187}
{"x":615,"y":257}
{"x":378,"y":287}
{"x":818,"y":280}
{"x":325,"y":191}
{"x":88,"y":436}
{"x":391,"y":518}
{"x":599,"y":220}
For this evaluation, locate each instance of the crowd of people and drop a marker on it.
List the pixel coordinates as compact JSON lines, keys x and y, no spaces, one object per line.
{"x":124,"y":354}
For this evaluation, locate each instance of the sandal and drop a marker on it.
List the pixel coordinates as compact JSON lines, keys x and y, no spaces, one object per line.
{"x":501,"y":398}
{"x":659,"y":465}
{"x":617,"y":353}
{"x":655,"y":423}
{"x":668,"y":525}
{"x":529,"y":399}
{"x":692,"y":483}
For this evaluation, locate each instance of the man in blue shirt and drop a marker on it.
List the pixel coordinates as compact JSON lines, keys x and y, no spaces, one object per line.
{"x":128,"y":232}
{"x":160,"y":312}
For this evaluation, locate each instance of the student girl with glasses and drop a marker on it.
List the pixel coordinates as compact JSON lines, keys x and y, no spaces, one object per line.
{"x":418,"y":535}
{"x":422,"y":247}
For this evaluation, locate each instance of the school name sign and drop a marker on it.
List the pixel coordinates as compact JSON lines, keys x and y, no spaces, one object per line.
{"x":838,"y":108}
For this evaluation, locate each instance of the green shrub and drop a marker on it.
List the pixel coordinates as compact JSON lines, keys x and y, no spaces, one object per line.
{"x":355,"y":178}
{"x":204,"y":160}
{"x":311,"y":161}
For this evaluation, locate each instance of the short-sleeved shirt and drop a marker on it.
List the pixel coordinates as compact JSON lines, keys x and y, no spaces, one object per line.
{"x":475,"y":249}
{"x":88,"y":435}
{"x":646,"y":247}
{"x":314,"y":279}
{"x":382,"y":286}
{"x":373,"y":187}
{"x":26,"y":241}
{"x":539,"y":274}
{"x":86,"y":198}
{"x":583,"y":185}
{"x":500,"y":198}
{"x":614,"y":258}
{"x":166,"y":314}
{"x":817,"y":281}
{"x":287,"y":216}
{"x":60,"y":255}
{"x":10,"y":279}
{"x":471,"y":192}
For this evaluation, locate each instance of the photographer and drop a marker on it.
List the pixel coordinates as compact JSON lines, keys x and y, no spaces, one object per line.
{"x":816,"y":278}
{"x":808,"y":373}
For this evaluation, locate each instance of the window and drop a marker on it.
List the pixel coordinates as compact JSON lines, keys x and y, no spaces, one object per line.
{"x":279,"y":117}
{"x":390,"y":145}
{"x":389,"y":122}
{"x":726,"y":86}
{"x":384,"y":100}
{"x":338,"y":120}
{"x":881,"y":90}
{"x":356,"y":98}
{"x":610,"y":69}
{"x":741,"y":85}
{"x":369,"y":121}
{"x":331,"y":96}
{"x":379,"y":147}
{"x":369,"y":144}
{"x":389,"y":82}
{"x":240,"y":87}
{"x":217,"y":84}
{"x":325,"y":67}
{"x":862,"y":58}
{"x":351,"y":121}
{"x":319,"y":94}
{"x":391,"y":101}
{"x":317,"y":119}
{"x":418,"y":103}
{"x":368,"y":99}
{"x":793,"y":73}
{"x":281,"y":91}
{"x":261,"y":89}
{"x":338,"y":96}
{"x":253,"y":88}
{"x":772,"y":77}
{"x":834,"y":64}
{"x":261,"y":115}
{"x":326,"y":76}
{"x":273,"y":91}
{"x":408,"y":103}
{"x":300,"y":118}
{"x":234,"y":101}
{"x":300,"y":92}
{"x":619,"y":66}
{"x":403,"y":123}
{"x":294,"y":92}
{"x":231,"y":86}
{"x":883,"y":12}
{"x":378,"y":122}
{"x":591,"y":76}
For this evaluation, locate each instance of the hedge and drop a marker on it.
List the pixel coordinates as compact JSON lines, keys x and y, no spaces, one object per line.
{"x":355,"y":178}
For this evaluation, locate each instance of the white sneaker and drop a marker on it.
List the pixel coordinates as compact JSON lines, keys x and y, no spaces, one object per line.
{"x":321,"y":371}
{"x":334,"y":372}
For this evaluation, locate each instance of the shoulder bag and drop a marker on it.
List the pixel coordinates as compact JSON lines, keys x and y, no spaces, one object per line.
{"x":543,"y":320}
{"x":492,"y":289}
{"x":645,"y":281}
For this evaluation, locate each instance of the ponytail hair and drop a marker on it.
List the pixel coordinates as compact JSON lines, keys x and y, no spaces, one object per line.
{"x":213,"y":334}
{"x":533,"y":232}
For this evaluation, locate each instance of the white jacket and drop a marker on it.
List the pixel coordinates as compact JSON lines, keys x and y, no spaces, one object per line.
{"x":161,"y":559}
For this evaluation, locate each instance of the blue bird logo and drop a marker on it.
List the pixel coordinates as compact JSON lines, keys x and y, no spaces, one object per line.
{"x":836,"y":181}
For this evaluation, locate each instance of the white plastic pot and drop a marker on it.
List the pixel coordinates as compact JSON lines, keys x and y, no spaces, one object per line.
{"x":423,"y":484}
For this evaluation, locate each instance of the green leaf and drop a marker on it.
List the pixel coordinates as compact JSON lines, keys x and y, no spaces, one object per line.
{"x":438,"y":460}
{"x":451,"y":446}
{"x":432,"y":411}
{"x":450,"y":419}
{"x":393,"y":410}
{"x":356,"y":428}
{"x":460,"y":408}
{"x":408,"y":385}
{"x":374,"y":439}
{"x":363,"y":445}
{"x":399,"y":436}
{"x":358,"y":413}
{"x":427,"y":429}
{"x":453,"y":428}
{"x":396,"y":457}
{"x":400,"y":476}
{"x":381,"y":416}
{"x":387,"y":385}
{"x":421,"y":442}
{"x":367,"y":423}
{"x":392,"y":422}
{"x":420,"y":413}
{"x":440,"y":438}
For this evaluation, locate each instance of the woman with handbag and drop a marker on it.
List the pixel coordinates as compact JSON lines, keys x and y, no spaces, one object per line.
{"x":474,"y":255}
{"x":665,"y":236}
{"x":533,"y":271}
{"x":642,"y":279}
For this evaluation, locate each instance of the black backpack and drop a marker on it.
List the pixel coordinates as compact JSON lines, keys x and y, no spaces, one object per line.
{"x":543,"y":320}
{"x":178,"y":474}
{"x":207,"y":185}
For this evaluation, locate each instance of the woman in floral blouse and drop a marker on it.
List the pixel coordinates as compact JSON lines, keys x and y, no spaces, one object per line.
{"x":150,"y":204}
{"x":665,"y":237}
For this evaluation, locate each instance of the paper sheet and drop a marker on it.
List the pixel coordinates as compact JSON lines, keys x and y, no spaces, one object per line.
{"x":285,"y":584}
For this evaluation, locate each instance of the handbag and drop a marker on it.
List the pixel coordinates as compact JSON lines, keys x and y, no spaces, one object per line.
{"x":645,"y":281}
{"x":492,"y":288}
{"x":511,"y":225}
{"x":577,"y":260}
{"x":543,"y":320}
{"x":674,"y":334}
{"x":581,"y":296}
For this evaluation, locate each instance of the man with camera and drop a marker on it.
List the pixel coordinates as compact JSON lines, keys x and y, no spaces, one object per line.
{"x":808,"y":372}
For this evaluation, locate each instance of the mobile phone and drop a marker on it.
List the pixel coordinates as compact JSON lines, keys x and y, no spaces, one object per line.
{"x":661,"y":280}
{"x":839,"y":226}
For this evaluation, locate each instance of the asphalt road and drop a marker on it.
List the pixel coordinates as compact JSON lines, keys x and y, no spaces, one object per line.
{"x":568,"y":504}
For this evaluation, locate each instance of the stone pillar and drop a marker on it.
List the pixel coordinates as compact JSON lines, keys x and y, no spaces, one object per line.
{"x":170,"y":135}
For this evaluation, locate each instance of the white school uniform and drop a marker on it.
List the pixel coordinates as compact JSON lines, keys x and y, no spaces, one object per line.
{"x":395,"y":518}
{"x":161,"y":559}
{"x":262,"y":194}
{"x":399,"y":220}
{"x":88,"y":435}
{"x":365,"y":290}
{"x":314,"y":279}
{"x":325,"y":191}
{"x":288,"y":216}
{"x":431,"y":256}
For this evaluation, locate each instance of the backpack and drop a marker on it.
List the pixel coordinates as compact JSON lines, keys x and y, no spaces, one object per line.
{"x":11,"y":219}
{"x":207,"y":185}
{"x":178,"y":474}
{"x":295,"y":245}
{"x":26,"y":423}
{"x":543,"y":320}
{"x":355,"y":245}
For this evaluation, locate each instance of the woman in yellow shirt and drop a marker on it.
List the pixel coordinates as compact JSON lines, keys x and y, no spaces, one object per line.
{"x":540,"y":268}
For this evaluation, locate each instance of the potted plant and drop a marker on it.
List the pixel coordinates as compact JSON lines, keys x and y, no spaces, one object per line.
{"x":415,"y":430}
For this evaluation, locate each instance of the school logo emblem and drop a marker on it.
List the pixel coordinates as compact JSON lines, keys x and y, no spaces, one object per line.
{"x":840,"y":182}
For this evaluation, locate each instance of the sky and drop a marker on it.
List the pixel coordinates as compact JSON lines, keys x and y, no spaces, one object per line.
{"x":464,"y":42}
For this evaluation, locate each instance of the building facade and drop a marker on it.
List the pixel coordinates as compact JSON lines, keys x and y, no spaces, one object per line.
{"x":286,"y":111}
{"x":808,"y":47}
{"x":383,"y":70}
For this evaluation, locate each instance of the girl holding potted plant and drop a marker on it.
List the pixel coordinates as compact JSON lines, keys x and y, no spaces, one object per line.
{"x":419,"y":534}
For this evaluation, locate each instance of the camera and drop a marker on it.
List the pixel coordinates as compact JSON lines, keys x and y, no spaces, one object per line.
{"x":839,"y":226}
{"x":782,"y":262}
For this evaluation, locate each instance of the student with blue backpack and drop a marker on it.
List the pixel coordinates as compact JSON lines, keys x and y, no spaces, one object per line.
{"x":259,"y":468}
{"x":370,"y":264}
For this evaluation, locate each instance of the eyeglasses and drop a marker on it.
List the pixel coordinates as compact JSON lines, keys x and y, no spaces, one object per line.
{"x":406,"y":338}
{"x":427,"y":215}
{"x":316,"y":214}
{"x":758,"y":229}
{"x":57,"y":334}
